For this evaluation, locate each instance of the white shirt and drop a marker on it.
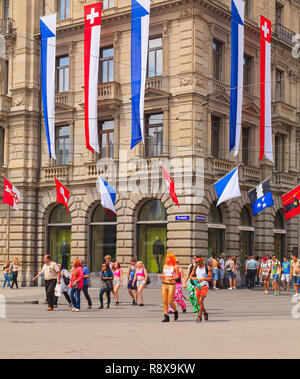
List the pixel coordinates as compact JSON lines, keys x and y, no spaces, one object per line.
{"x":201,"y":273}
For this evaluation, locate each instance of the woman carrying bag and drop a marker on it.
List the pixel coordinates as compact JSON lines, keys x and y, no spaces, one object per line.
{"x":107,"y":277}
{"x":76,"y":285}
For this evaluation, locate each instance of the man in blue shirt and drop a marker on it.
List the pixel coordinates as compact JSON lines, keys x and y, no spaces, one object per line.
{"x":285,"y":273}
{"x":85,"y":288}
{"x":251,"y":270}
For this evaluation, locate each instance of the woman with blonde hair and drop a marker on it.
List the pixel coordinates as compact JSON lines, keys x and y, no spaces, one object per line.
{"x":6,"y":269}
{"x":169,"y":276}
{"x":140,"y":277}
{"x":118,"y":280}
{"x":14,"y":271}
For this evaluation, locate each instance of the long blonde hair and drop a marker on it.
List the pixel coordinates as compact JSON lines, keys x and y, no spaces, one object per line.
{"x":16,"y":262}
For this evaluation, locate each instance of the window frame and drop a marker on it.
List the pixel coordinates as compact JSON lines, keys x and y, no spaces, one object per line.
{"x":60,"y":160}
{"x":155,"y":50}
{"x":64,"y":69}
{"x":279,"y":85}
{"x":106,"y":133}
{"x":147,"y":139}
{"x":67,"y":6}
{"x":108,"y":59}
{"x":248,"y":73}
{"x":218,"y":56}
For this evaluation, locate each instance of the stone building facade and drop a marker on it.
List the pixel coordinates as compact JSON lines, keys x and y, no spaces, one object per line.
{"x":186,"y":126}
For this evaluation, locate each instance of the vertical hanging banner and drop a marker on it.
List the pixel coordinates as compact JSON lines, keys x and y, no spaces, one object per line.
{"x":92,"y":31}
{"x":48,"y":56}
{"x":140,"y":16}
{"x":237,"y":72}
{"x":266,"y":142}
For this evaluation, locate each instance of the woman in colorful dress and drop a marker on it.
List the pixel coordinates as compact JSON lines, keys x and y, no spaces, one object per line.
{"x":169,"y":276}
{"x":178,"y":290}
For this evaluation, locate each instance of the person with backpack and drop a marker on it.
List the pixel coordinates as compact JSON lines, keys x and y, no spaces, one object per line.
{"x":191,"y":287}
{"x":230,"y":271}
{"x":202,"y":274}
{"x":169,"y":276}
{"x":141,"y":279}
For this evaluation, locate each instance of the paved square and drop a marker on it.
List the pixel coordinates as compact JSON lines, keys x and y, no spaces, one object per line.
{"x":243,"y":324}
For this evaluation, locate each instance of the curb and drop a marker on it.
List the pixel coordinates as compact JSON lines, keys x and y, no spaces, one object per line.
{"x":22,"y":302}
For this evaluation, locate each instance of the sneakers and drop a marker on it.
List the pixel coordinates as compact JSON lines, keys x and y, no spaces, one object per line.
{"x":230,"y":289}
{"x":234,"y":288}
{"x":49,"y":309}
{"x":296,"y":295}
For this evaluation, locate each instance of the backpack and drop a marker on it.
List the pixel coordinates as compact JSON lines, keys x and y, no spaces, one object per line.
{"x":228,"y":267}
{"x":195,"y":267}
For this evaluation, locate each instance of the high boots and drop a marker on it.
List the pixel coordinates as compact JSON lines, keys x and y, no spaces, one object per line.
{"x":166,"y":319}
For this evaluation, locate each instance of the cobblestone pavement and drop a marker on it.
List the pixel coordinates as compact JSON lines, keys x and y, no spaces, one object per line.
{"x":242,"y":324}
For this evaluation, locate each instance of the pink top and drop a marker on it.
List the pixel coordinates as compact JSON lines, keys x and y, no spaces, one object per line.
{"x":140,"y":272}
{"x":117,"y":273}
{"x":79,"y":277}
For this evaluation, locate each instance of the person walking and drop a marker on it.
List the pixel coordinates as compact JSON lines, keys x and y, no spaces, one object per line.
{"x":178,"y":297}
{"x":295,"y":274}
{"x":85,"y":288}
{"x":140,"y":278}
{"x":191,"y":287}
{"x":230,"y":270}
{"x":132,"y":290}
{"x":222,"y":270}
{"x":107,"y":277}
{"x":51,"y":274}
{"x":14,"y":271}
{"x":275,"y":271}
{"x":264,"y":273}
{"x":215,"y":271}
{"x":203,"y":275}
{"x":65,"y":281}
{"x":285,"y":273}
{"x":6,"y":269}
{"x":76,"y":285}
{"x":169,"y":276}
{"x":118,"y":280}
{"x":251,"y":271}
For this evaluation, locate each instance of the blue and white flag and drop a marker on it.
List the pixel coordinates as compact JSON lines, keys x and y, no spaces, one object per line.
{"x":48,"y":56}
{"x":237,"y":72}
{"x":140,"y":15}
{"x":261,"y":197}
{"x":108,"y":197}
{"x":228,"y":187}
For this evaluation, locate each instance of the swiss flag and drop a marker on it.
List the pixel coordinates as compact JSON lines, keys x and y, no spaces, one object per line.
{"x":11,"y":195}
{"x":62,"y":194}
{"x":171,"y":187}
{"x":291,"y":203}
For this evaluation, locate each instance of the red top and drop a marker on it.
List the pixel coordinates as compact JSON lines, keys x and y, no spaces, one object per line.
{"x":79,"y":277}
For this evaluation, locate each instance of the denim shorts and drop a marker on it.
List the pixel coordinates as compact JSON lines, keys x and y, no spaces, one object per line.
{"x":296,"y":280}
{"x":275,"y":277}
{"x":215,"y":275}
{"x":231,"y":275}
{"x":130,"y":287}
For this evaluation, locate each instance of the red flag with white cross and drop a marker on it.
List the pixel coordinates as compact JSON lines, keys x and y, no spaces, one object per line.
{"x":11,"y":195}
{"x":62,"y":194}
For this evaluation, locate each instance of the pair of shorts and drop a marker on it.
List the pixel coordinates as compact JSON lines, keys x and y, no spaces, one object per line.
{"x":285,"y":277}
{"x":275,"y":277}
{"x":231,"y":275}
{"x":296,"y":280}
{"x":265,"y":278}
{"x":130,"y":286}
{"x":202,"y":292}
{"x":140,"y":282}
{"x":221,"y":274}
{"x":117,"y":281}
{"x":215,"y":275}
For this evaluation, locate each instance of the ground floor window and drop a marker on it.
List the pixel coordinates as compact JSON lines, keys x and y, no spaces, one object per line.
{"x":103,"y":232}
{"x":279,"y":246}
{"x":215,"y":241}
{"x":152,"y":235}
{"x":60,"y":236}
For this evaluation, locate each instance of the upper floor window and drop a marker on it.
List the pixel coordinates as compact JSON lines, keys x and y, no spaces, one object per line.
{"x":106,"y":139}
{"x":2,"y":145}
{"x":155,"y":57}
{"x":246,"y":145}
{"x":248,"y":8}
{"x":279,"y":13}
{"x":107,"y":65}
{"x":108,"y":4}
{"x":279,"y":153}
{"x":6,"y":78}
{"x":279,"y":85}
{"x":154,"y":135}
{"x":215,"y":136}
{"x":62,"y":74}
{"x":248,"y":62}
{"x":217,"y":60}
{"x":6,"y":13}
{"x":63,"y":7}
{"x":62,"y":145}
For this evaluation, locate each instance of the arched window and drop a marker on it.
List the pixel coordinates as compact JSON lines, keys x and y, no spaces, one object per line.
{"x":279,"y":236}
{"x":216,"y":230}
{"x":103,"y":234}
{"x":278,"y":222}
{"x":60,"y":235}
{"x":246,"y":234}
{"x":245,"y":217}
{"x":152,"y":235}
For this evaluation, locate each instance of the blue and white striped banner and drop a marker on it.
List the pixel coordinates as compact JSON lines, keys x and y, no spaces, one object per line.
{"x":48,"y":56}
{"x":237,"y":72}
{"x":140,"y":15}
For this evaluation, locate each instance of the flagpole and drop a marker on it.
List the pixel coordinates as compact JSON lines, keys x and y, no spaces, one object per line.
{"x":224,"y":175}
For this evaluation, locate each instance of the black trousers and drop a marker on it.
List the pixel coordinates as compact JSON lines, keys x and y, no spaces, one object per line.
{"x":102,"y":291}
{"x":66,"y":295}
{"x":49,"y":288}
{"x":14,"y":280}
{"x":85,"y":290}
{"x":252,"y":275}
